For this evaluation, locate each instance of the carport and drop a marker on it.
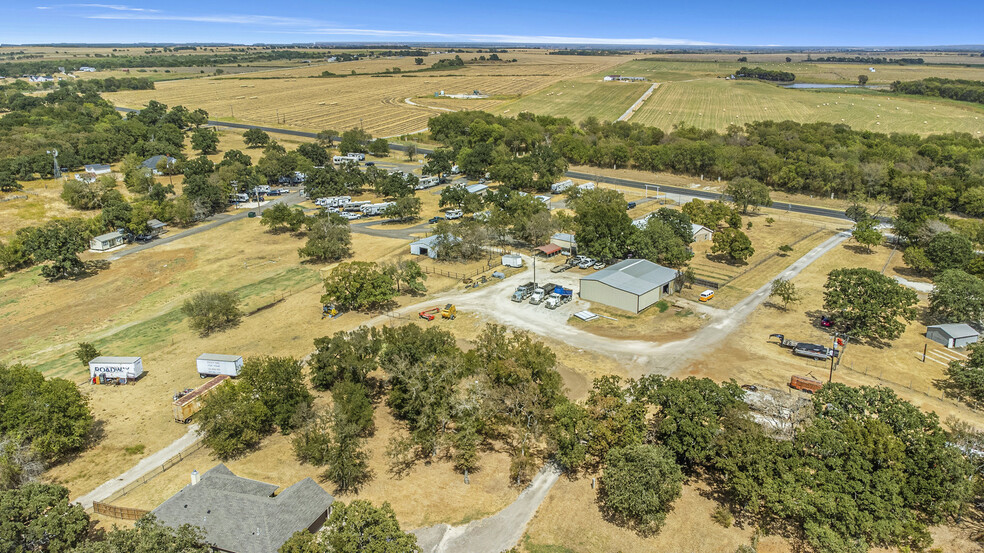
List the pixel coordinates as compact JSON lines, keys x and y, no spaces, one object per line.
{"x":549,"y":250}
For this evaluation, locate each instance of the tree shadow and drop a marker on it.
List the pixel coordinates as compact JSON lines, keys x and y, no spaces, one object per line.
{"x":725,"y":259}
{"x":858,"y":249}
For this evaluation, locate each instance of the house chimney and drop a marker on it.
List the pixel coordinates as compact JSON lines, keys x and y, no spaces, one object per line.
{"x":194,"y":477}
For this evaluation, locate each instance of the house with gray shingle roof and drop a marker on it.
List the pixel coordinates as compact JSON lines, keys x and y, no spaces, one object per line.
{"x":239,"y":515}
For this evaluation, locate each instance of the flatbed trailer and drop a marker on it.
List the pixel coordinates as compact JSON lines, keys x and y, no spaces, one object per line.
{"x":804,"y":349}
{"x":190,"y":403}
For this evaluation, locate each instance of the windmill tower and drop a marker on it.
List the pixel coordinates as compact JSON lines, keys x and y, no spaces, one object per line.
{"x":54,"y":154}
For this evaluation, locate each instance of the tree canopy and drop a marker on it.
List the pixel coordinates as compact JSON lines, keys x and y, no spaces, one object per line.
{"x":867,"y":304}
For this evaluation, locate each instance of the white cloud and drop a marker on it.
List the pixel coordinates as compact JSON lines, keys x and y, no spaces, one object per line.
{"x":115,"y":7}
{"x":234,"y":19}
{"x":479,"y":37}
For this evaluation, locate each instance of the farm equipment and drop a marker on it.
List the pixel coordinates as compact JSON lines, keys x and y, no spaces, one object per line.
{"x":523,"y":291}
{"x":449,"y":312}
{"x":429,"y":314}
{"x":329,"y":311}
{"x":187,"y":404}
{"x":810,"y":385}
{"x":803,"y":349}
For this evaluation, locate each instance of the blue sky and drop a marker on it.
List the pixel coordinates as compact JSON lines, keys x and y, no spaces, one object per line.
{"x":769,"y":22}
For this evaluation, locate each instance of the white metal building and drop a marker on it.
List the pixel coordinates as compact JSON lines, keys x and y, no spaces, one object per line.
{"x":425,"y":246}
{"x":106,"y":241}
{"x":116,"y":367}
{"x":631,"y":285}
{"x":952,"y":335}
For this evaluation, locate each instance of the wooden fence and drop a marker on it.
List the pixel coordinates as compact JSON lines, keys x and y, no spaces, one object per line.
{"x":125,"y":513}
{"x":153,"y":473}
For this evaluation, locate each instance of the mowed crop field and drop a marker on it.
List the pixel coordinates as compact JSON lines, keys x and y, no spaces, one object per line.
{"x":837,"y":73}
{"x":375,"y":103}
{"x":717,"y":103}
{"x":579,"y":100}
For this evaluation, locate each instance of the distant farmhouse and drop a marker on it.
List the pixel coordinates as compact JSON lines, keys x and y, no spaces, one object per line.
{"x":623,"y":78}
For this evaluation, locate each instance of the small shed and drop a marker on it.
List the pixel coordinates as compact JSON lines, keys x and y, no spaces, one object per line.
{"x":564,"y":240}
{"x":702,"y":233}
{"x":512,"y":260}
{"x":428,"y":246}
{"x":98,"y":169}
{"x":477,"y":188}
{"x":115,"y":367}
{"x":954,"y":335}
{"x":156,"y":227}
{"x":106,"y":241}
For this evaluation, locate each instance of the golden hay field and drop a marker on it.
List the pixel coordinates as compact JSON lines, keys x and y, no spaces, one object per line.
{"x":375,"y":103}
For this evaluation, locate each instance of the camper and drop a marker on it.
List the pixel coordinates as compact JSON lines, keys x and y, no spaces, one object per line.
{"x":558,"y":187}
{"x":375,"y":209}
{"x":586,"y":186}
{"x":238,"y":198}
{"x":356,"y":156}
{"x":339,"y":160}
{"x":427,"y":182}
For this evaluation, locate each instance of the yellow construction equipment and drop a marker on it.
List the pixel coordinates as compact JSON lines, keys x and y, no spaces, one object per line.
{"x":449,"y":311}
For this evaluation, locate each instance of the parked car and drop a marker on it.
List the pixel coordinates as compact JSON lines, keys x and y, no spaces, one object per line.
{"x":706,"y":295}
{"x":435,"y":219}
{"x":284,"y":191}
{"x":587,"y":263}
{"x":144,"y":237}
{"x":274,"y":192}
{"x":630,"y":205}
{"x":370,"y":164}
{"x":599,"y":265}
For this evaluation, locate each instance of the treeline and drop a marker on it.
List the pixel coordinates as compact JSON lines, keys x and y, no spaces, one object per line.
{"x":813,"y":158}
{"x":588,"y":52}
{"x":765,"y":74}
{"x":47,"y":67}
{"x":446,"y":63}
{"x":868,"y":60}
{"x":109,"y":84}
{"x":954,"y":89}
{"x":859,"y":468}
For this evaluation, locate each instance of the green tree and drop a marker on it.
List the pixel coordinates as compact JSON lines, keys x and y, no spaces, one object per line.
{"x":8,"y":183}
{"x":358,"y":285}
{"x":345,"y":356}
{"x":379,"y":147}
{"x":949,"y":250}
{"x":150,"y":536}
{"x":785,"y":249}
{"x":786,"y":291}
{"x":38,"y":517}
{"x":658,"y":242}
{"x":733,"y":243}
{"x":58,"y":244}
{"x":957,"y":297}
{"x":418,"y":61}
{"x":280,"y":218}
{"x":916,"y":258}
{"x":965,"y":379}
{"x":354,"y":140}
{"x":205,"y":141}
{"x":361,"y":528}
{"x":862,"y":80}
{"x":408,"y":276}
{"x":212,"y":311}
{"x":405,"y":208}
{"x":51,"y":415}
{"x":328,"y":238}
{"x":639,"y":486}
{"x":603,"y":226}
{"x":866,"y":233}
{"x":868,"y":304}
{"x":86,"y":352}
{"x":411,"y":152}
{"x":678,"y":221}
{"x":254,"y":138}
{"x":326,"y":138}
{"x":746,"y":192}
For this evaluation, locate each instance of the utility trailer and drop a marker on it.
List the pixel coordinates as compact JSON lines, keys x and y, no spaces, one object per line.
{"x":190,"y":403}
{"x":805,"y":384}
{"x":804,"y":349}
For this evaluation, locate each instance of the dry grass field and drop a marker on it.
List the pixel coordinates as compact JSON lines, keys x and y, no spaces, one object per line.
{"x":717,"y":103}
{"x":580,"y":99}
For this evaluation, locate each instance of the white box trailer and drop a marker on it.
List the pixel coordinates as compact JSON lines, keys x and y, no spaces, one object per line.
{"x":512,"y":260}
{"x":561,"y":186}
{"x":115,"y":367}
{"x":214,"y":364}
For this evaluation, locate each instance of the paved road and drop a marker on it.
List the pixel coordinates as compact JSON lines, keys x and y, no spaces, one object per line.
{"x":629,"y":183}
{"x":145,"y":465}
{"x":497,"y":533}
{"x":216,"y":220}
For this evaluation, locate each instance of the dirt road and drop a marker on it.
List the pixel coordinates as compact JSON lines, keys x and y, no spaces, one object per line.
{"x":497,"y":533}
{"x":145,"y":465}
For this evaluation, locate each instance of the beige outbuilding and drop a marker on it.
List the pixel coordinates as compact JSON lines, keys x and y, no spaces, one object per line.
{"x":631,"y":285}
